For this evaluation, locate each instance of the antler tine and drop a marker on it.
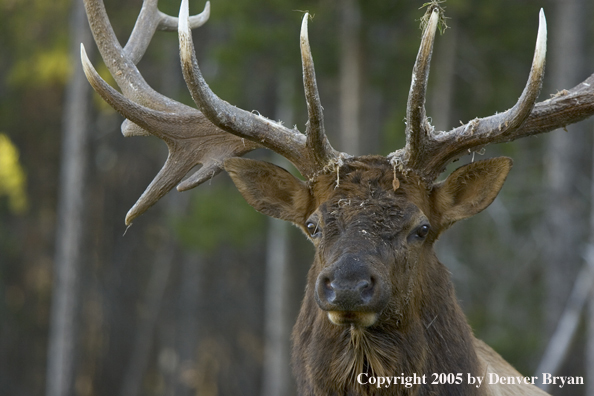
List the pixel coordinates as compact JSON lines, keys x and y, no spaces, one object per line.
{"x":149,"y":21}
{"x":154,"y":121}
{"x":287,"y":142}
{"x":436,"y":150}
{"x":417,"y":126}
{"x":316,"y":135}
{"x":515,"y":116}
{"x":170,"y":23}
{"x":121,"y":67}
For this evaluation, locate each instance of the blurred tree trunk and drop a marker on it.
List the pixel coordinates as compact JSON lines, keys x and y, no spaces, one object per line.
{"x":71,"y":213}
{"x":149,"y":313}
{"x":560,"y":343}
{"x":564,"y":165}
{"x":192,"y":274}
{"x":276,"y":378}
{"x":350,"y":77}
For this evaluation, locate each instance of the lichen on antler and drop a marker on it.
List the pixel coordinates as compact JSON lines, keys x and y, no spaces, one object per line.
{"x":434,"y":5}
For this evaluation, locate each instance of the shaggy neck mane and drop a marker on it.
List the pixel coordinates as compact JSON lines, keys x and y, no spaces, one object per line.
{"x":367,"y":352}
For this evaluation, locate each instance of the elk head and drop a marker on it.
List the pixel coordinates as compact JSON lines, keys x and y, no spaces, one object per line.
{"x":372,"y":229}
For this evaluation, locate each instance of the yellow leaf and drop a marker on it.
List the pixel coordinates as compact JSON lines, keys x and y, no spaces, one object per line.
{"x":12,"y":176}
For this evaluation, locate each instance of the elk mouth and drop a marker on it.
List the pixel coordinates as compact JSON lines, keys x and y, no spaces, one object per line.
{"x":359,"y":319}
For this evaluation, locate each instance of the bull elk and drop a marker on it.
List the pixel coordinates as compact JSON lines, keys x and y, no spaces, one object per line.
{"x":378,"y":303}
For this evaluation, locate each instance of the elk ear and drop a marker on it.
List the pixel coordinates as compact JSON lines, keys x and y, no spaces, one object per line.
{"x":270,"y":189}
{"x":469,"y":189}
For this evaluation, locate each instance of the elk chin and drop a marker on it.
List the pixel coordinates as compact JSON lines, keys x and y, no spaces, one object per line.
{"x":357,"y":319}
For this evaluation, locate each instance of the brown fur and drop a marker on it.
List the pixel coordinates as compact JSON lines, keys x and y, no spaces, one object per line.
{"x":370,"y":217}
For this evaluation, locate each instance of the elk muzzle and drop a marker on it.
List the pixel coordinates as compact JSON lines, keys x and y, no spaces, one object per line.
{"x":351,"y":291}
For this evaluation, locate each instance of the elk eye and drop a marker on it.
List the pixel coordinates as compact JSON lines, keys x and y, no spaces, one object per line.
{"x":312,"y":228}
{"x":422,"y":231}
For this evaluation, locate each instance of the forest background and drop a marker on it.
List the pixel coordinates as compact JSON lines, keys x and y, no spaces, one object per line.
{"x":200,"y":294}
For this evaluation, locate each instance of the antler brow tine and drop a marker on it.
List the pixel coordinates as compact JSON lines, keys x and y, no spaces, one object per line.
{"x":498,"y":127}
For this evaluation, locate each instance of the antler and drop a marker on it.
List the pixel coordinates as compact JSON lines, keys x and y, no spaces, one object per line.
{"x":183,"y":128}
{"x":209,"y":136}
{"x":220,"y":131}
{"x":427,"y":152}
{"x":310,"y":155}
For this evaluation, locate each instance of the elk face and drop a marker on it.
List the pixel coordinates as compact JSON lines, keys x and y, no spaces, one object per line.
{"x":373,"y":229}
{"x":368,"y":239}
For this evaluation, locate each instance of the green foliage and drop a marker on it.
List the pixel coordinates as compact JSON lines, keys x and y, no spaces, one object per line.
{"x":33,"y":32}
{"x":218,"y":217}
{"x":42,"y":68}
{"x":251,"y":39}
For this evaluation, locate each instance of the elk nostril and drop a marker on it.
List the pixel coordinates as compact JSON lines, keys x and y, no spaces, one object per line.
{"x":365,"y":289}
{"x":329,"y":290}
{"x":363,"y":285}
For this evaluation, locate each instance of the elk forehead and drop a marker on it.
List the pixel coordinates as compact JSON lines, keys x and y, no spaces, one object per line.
{"x":379,"y":212}
{"x":362,"y":194}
